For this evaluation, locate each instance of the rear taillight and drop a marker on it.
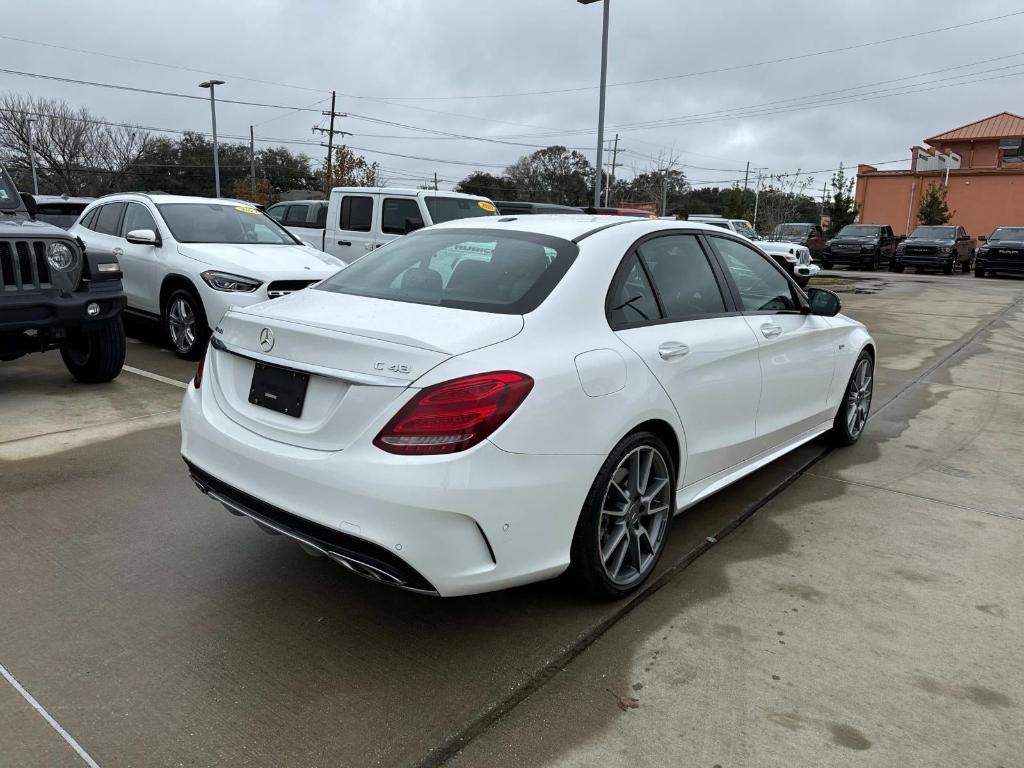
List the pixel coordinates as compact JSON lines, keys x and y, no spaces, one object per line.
{"x":197,"y":382}
{"x":455,"y":415}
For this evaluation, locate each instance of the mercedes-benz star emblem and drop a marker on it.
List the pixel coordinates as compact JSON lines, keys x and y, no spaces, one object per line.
{"x":266,"y":339}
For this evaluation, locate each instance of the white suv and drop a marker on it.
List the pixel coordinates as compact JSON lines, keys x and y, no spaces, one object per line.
{"x":187,"y":260}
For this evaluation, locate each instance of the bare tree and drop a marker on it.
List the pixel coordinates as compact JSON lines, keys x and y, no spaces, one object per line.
{"x":782,"y":199}
{"x":663,"y":183}
{"x":76,"y":152}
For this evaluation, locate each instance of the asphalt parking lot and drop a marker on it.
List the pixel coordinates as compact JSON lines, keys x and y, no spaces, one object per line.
{"x":859,"y":607}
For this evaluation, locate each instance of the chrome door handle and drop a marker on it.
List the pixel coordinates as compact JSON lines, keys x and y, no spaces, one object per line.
{"x":118,"y":251}
{"x":770,"y":331}
{"x":673,"y":350}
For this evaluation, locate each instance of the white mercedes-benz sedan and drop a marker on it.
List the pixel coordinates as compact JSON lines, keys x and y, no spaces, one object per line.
{"x":477,"y":406}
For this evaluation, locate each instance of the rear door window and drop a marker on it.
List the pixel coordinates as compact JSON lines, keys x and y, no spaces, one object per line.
{"x":449,"y":208}
{"x":109,"y":219}
{"x":482,"y":270}
{"x":356,"y":213}
{"x":296,"y":215}
{"x":683,"y":277}
{"x":399,"y":215}
{"x":277,"y":212}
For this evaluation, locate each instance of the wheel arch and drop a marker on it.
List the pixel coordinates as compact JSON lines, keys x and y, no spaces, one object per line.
{"x":668,"y":435}
{"x":173,"y":282}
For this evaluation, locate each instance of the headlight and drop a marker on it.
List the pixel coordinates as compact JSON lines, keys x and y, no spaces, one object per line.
{"x":983,"y":251}
{"x":60,"y":256}
{"x":225,"y":281}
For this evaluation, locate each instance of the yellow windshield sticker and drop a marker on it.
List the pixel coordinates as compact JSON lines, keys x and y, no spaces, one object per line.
{"x":247,"y":209}
{"x":487,"y":206}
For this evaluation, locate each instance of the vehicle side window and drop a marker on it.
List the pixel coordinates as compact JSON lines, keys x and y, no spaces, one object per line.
{"x":631,"y":300}
{"x":89,"y":222}
{"x":137,"y":217}
{"x":109,"y":218}
{"x":397,"y":212}
{"x":277,"y":212}
{"x":321,"y":216}
{"x":682,"y":276}
{"x":762,"y":286}
{"x":296,"y":215}
{"x":356,"y":213}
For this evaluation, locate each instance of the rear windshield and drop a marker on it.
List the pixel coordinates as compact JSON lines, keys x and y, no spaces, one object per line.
{"x":222,"y":223}
{"x":9,"y":198}
{"x":1008,"y":233}
{"x":943,"y":233}
{"x":859,"y":230}
{"x":449,"y":208}
{"x":478,"y":269}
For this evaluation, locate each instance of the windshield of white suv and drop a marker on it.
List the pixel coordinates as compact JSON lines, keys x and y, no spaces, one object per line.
{"x":940,"y":233}
{"x":858,"y":230}
{"x":743,"y":228}
{"x":9,"y":199}
{"x":222,"y":223}
{"x":478,"y":269}
{"x":451,"y":208}
{"x":1007,"y":233}
{"x":791,"y":230}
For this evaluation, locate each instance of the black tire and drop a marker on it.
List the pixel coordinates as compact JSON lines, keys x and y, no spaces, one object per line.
{"x":97,"y":355}
{"x":186,"y":334}
{"x":979,"y":271}
{"x":847,"y":430}
{"x":895,"y":266}
{"x":966,"y":266}
{"x":826,"y":263}
{"x":598,"y":526}
{"x":947,"y":268}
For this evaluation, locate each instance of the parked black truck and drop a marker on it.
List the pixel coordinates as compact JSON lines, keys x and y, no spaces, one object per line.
{"x":54,"y":295}
{"x":866,"y":246}
{"x":1002,"y":251}
{"x":940,"y":247}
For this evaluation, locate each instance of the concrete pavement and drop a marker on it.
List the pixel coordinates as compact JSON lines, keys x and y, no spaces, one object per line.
{"x":158,"y":630}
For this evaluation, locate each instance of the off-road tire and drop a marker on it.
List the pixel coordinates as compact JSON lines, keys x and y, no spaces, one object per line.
{"x":96,"y":355}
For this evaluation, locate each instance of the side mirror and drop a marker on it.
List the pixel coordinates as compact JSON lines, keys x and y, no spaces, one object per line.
{"x":824,"y":303}
{"x":982,"y":238}
{"x":143,"y":237}
{"x":411,"y":225}
{"x":30,"y":204}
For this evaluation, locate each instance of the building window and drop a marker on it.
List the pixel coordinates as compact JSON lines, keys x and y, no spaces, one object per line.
{"x":1012,"y":150}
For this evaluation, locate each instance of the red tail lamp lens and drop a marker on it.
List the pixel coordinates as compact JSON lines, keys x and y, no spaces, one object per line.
{"x":197,"y":382}
{"x":455,"y":415}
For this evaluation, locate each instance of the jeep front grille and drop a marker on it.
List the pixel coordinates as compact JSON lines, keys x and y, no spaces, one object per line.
{"x":280,"y":288}
{"x":23,"y":265}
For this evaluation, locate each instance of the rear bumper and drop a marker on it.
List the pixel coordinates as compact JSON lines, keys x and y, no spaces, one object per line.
{"x":40,"y":310}
{"x":473,"y":522}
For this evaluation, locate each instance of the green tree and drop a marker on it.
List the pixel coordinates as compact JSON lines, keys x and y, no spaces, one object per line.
{"x":841,"y":207}
{"x":352,"y":170}
{"x":552,"y":175}
{"x":739,"y":203}
{"x":487,"y":185}
{"x":934,"y":208}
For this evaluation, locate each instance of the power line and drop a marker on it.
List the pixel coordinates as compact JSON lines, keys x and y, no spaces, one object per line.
{"x":715,"y":70}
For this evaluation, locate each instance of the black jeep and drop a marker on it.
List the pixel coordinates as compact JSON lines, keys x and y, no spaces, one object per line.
{"x":54,"y":295}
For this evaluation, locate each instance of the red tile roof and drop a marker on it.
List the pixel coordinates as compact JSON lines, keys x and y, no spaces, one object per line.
{"x":1005,"y":124}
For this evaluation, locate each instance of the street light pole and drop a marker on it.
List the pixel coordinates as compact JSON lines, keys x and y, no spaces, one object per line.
{"x":32,"y":158}
{"x":598,"y":175}
{"x":211,"y":84}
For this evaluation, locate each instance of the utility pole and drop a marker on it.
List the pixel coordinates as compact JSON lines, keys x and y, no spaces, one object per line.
{"x":32,"y":158}
{"x":435,"y":181}
{"x":746,"y":177}
{"x":599,"y":170}
{"x":664,"y":192}
{"x":331,"y":133}
{"x":252,"y":163}
{"x":611,"y":176}
{"x":757,"y":196}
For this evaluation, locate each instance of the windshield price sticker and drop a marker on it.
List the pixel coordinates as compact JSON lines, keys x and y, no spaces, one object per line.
{"x":487,"y":206}
{"x":247,"y":209}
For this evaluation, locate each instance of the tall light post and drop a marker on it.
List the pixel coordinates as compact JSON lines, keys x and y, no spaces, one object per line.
{"x":32,"y":158}
{"x":211,"y":84}
{"x":598,"y":176}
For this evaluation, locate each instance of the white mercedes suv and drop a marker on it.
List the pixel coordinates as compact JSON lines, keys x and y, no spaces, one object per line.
{"x":187,"y":260}
{"x":485,"y":403}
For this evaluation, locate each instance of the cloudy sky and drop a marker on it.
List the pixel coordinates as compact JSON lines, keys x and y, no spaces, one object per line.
{"x":525,"y":73}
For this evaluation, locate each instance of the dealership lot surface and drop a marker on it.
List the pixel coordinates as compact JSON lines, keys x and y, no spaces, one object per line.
{"x":868,"y":612}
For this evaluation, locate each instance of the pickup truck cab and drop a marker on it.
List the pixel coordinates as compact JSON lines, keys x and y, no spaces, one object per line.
{"x":860,"y":245}
{"x":943,"y":246}
{"x":359,"y":219}
{"x":801,"y":233}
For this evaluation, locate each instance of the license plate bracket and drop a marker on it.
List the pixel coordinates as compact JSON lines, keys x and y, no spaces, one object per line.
{"x":279,"y":389}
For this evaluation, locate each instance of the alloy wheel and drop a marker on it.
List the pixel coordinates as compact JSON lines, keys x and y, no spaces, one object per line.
{"x":858,"y":401}
{"x":181,"y":322}
{"x":634,"y":515}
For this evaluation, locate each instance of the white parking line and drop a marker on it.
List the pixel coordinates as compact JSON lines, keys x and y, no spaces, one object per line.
{"x":156,"y":377}
{"x":46,"y":716}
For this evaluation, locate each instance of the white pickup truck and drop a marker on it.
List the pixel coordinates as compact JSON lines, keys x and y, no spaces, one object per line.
{"x":355,"y":220}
